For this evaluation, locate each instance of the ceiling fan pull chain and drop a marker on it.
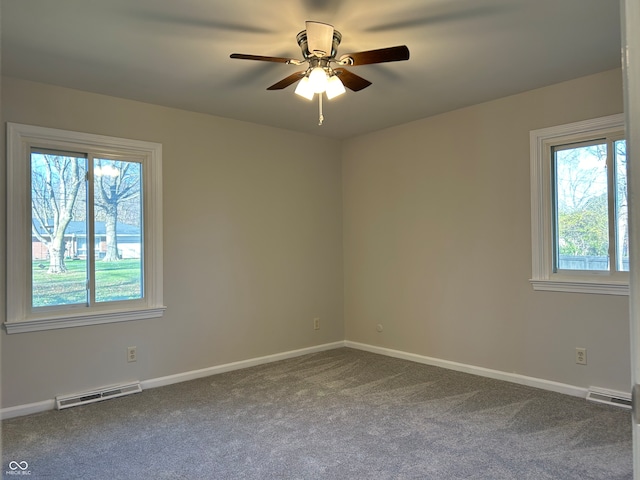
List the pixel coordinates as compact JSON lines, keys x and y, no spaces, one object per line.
{"x":321,"y":117}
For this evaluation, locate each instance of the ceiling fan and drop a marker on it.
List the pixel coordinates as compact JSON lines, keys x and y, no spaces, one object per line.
{"x":324,"y":73}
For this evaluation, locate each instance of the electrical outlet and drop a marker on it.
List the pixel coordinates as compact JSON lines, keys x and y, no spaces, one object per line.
{"x":581,"y":356}
{"x":132,"y":354}
{"x":316,"y":323}
{"x":379,"y":328}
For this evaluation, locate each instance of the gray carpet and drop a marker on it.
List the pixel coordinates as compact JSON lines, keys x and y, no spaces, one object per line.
{"x":340,"y":414}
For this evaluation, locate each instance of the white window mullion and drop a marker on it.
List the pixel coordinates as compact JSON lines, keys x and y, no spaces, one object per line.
{"x":91,"y":237}
{"x":621,"y":225}
{"x":553,"y":209}
{"x":611,"y":204}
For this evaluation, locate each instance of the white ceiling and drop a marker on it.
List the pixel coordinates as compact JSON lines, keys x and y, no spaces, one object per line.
{"x":176,"y":53}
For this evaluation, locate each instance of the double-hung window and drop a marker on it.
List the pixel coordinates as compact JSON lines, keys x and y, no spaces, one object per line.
{"x":85,"y":229}
{"x":580,"y":229}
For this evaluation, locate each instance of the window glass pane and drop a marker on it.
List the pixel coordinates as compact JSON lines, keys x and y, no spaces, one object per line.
{"x":58,"y":229}
{"x":582,"y":225}
{"x":622,"y":215}
{"x":118,"y":230}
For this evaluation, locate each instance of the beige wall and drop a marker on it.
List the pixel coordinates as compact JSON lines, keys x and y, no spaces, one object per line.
{"x":432,"y":219}
{"x":252,"y":247}
{"x":437,"y":243}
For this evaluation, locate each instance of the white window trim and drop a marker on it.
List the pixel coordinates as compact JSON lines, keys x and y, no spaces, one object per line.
{"x":20,"y":318}
{"x":543,"y":277}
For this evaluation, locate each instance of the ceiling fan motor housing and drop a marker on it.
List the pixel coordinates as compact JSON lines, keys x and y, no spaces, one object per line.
{"x":304,"y":45}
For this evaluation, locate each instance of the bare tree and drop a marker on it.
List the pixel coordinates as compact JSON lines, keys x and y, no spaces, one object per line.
{"x":55,"y":183}
{"x":578,"y":184}
{"x":116,"y":185}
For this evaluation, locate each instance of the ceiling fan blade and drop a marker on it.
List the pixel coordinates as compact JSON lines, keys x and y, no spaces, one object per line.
{"x":242,"y":56}
{"x":285,"y":82}
{"x":382,"y":55}
{"x":351,"y":80}
{"x":319,"y":38}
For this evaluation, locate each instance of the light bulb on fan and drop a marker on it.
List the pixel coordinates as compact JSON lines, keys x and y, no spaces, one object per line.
{"x":334,"y":87}
{"x":304,"y":89}
{"x":318,"y":80}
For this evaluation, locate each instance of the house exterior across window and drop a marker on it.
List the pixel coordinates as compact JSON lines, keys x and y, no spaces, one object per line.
{"x":129,"y":240}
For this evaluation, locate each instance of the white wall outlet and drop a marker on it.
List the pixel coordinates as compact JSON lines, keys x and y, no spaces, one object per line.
{"x":581,"y":356}
{"x":132,"y":354}
{"x":379,"y":328}
{"x":316,"y":323}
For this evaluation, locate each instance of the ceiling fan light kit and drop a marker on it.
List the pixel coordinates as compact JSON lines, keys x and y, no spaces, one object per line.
{"x":319,"y":46}
{"x":318,"y":80}
{"x":335,"y":87}
{"x":304,"y":89}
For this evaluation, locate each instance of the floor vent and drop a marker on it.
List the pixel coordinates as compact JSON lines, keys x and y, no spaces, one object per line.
{"x":67,"y":401}
{"x":610,"y":397}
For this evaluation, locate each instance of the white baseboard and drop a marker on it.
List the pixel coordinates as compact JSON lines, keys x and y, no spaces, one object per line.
{"x":484,"y":372}
{"x":228,"y":367}
{"x":37,"y":407}
{"x":27,"y":409}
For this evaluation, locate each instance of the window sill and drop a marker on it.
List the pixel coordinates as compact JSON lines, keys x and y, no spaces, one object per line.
{"x":97,"y":318}
{"x":577,"y":286}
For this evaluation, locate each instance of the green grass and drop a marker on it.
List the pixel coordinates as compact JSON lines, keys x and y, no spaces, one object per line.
{"x":119,"y":280}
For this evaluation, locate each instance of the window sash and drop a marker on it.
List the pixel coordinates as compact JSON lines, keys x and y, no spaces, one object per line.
{"x":92,"y":178}
{"x":611,"y":169}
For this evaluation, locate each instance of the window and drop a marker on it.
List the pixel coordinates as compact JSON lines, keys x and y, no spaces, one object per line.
{"x":579,"y":225}
{"x":84,"y":229}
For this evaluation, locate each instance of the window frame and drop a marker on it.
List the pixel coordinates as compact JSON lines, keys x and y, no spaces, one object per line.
{"x":543,"y":277}
{"x":20,"y":315}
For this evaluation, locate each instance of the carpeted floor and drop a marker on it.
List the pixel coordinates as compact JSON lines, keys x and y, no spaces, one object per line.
{"x":340,"y":414}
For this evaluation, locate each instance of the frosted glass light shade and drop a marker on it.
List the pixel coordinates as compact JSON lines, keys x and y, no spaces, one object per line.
{"x":304,"y":89}
{"x":334,"y":87}
{"x":318,"y":80}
